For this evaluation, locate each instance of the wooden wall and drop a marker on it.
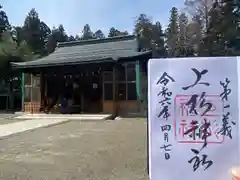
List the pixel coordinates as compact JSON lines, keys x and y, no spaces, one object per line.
{"x":125,"y":107}
{"x":32,"y":94}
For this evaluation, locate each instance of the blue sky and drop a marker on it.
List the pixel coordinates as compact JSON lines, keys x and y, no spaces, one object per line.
{"x":99,"y":14}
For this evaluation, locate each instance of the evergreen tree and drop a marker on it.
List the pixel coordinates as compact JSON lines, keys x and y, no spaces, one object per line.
{"x":35,"y":32}
{"x":115,"y":32}
{"x":150,"y":35}
{"x":87,"y":33}
{"x":71,"y":38}
{"x":4,"y":23}
{"x":172,"y":33}
{"x":98,"y":34}
{"x":230,"y":11}
{"x":57,"y":35}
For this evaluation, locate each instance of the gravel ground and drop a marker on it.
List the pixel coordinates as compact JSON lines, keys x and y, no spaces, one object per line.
{"x":78,"y":150}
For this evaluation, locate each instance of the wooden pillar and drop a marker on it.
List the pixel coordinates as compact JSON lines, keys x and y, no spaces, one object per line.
{"x":42,"y":91}
{"x":45,"y":99}
{"x":115,"y":92}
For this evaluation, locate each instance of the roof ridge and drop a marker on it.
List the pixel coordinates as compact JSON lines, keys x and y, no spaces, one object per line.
{"x":96,"y":41}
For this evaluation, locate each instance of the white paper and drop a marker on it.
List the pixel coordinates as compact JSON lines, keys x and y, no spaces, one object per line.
{"x":221,"y":150}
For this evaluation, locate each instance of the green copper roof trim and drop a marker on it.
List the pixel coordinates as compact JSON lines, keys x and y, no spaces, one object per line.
{"x":22,"y":89}
{"x":138,"y":79}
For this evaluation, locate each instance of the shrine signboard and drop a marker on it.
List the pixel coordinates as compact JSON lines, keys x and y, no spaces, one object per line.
{"x":193,"y":118}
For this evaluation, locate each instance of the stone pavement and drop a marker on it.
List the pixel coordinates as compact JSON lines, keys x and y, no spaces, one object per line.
{"x":34,"y":121}
{"x":7,"y":116}
{"x":65,"y":116}
{"x":17,"y":127}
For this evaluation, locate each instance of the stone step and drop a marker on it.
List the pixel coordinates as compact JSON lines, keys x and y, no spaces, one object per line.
{"x":22,"y":126}
{"x":65,"y":116}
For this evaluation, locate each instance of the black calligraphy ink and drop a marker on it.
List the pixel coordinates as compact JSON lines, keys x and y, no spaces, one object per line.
{"x":166,"y":137}
{"x":226,"y":90}
{"x":199,"y":76}
{"x":167,"y":156}
{"x":226,"y":106}
{"x":166,"y":147}
{"x":204,"y":130}
{"x":166,"y":95}
{"x":226,"y":129}
{"x":164,"y":79}
{"x":164,"y":92}
{"x":192,"y":130}
{"x":193,"y":102}
{"x":166,"y":127}
{"x":197,"y":161}
{"x":165,"y":102}
{"x":198,"y":105}
{"x":164,"y":112}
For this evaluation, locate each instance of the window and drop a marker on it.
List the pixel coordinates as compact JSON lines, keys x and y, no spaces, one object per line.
{"x":122,"y":91}
{"x":131,"y":94}
{"x":126,"y":84}
{"x":131,"y":73}
{"x":108,"y":84}
{"x":32,"y":88}
{"x":108,"y":76}
{"x":3,"y":87}
{"x":27,"y":94}
{"x":36,"y":96}
{"x":27,"y":79}
{"x":108,"y":91}
{"x":121,"y":72}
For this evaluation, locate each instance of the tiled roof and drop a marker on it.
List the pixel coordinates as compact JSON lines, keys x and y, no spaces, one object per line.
{"x":88,"y":51}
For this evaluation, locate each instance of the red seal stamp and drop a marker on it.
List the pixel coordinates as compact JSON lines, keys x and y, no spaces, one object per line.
{"x":185,"y":120}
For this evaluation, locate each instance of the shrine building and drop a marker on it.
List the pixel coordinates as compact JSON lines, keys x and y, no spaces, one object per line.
{"x":88,"y":76}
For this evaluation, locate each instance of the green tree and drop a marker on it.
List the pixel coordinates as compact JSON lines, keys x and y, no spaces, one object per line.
{"x":213,"y":44}
{"x":158,"y":44}
{"x":172,"y":33}
{"x":61,"y":35}
{"x":4,"y":23}
{"x":183,"y":28}
{"x":57,"y":35}
{"x":144,"y":31}
{"x":87,"y":33}
{"x":115,"y":32}
{"x":158,"y":35}
{"x":230,"y":26}
{"x":77,"y":38}
{"x":10,"y":51}
{"x":71,"y":38}
{"x":185,"y":45}
{"x":150,"y":35}
{"x":35,"y":32}
{"x":98,"y":34}
{"x":222,"y":36}
{"x":18,"y":34}
{"x":199,"y":10}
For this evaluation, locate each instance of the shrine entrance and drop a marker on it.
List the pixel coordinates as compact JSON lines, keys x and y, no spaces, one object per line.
{"x":75,"y":92}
